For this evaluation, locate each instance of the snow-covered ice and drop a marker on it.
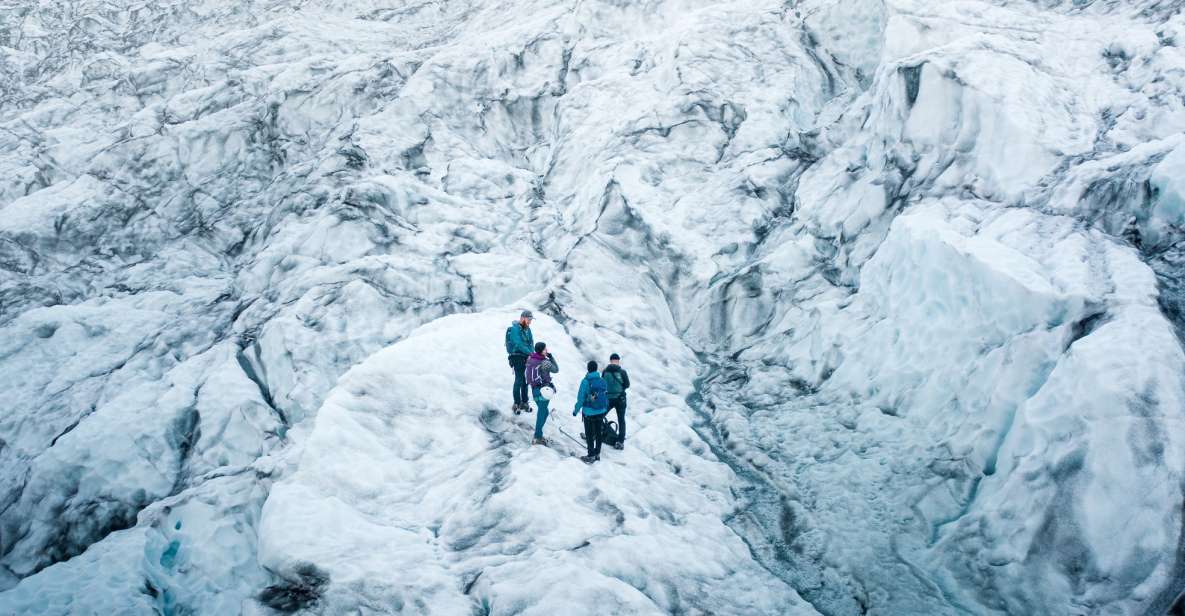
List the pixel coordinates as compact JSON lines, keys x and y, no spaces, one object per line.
{"x":901,"y":285}
{"x":414,"y":479}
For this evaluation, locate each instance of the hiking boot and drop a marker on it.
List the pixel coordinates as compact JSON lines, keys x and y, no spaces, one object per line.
{"x":527,"y":408}
{"x":619,"y":445}
{"x":517,"y":409}
{"x":539,"y":441}
{"x":589,"y":459}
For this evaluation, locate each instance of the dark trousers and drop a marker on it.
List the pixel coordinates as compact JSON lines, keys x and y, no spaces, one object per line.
{"x":618,"y":404}
{"x":519,"y":364}
{"x":592,"y":433}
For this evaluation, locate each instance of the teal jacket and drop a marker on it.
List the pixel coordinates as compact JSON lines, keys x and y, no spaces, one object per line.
{"x":583,"y":393}
{"x":519,"y":340}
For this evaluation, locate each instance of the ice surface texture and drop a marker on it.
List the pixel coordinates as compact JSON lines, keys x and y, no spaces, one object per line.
{"x":901,"y":285}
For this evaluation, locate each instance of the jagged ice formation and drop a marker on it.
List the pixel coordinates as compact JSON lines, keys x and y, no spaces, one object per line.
{"x":900,"y":285}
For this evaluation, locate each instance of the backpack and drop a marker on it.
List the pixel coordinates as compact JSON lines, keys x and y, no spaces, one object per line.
{"x":598,"y":394}
{"x":615,"y":384}
{"x":536,"y":376}
{"x":609,"y":433}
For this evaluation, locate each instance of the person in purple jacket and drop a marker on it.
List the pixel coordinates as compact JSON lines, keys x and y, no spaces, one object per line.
{"x":540,"y":366}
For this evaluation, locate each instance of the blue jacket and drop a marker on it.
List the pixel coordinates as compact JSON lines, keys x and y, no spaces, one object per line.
{"x":519,"y":340}
{"x":583,"y":393}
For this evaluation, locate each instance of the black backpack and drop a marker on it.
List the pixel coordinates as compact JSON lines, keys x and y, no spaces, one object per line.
{"x":609,"y":433}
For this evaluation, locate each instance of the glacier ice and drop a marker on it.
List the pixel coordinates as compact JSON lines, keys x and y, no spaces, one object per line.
{"x":900,"y":284}
{"x":419,"y":475}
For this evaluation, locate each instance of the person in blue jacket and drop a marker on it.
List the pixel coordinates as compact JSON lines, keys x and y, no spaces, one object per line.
{"x":593,"y":401}
{"x":520,"y":343}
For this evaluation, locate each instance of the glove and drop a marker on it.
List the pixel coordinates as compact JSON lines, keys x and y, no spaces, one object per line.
{"x":574,"y":413}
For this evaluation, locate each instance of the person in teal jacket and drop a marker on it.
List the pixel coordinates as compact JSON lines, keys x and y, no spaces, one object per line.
{"x":618,"y":381}
{"x":520,"y":343}
{"x":593,"y":401}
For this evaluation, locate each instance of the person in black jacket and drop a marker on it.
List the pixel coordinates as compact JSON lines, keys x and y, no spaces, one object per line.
{"x":618,"y":380}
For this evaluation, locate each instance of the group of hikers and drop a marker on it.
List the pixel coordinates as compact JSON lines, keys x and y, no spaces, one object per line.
{"x":599,"y":392}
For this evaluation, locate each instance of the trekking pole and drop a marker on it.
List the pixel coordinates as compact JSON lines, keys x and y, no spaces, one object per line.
{"x":565,"y":433}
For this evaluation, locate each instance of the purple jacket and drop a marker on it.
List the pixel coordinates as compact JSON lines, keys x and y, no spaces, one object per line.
{"x":540,"y":368}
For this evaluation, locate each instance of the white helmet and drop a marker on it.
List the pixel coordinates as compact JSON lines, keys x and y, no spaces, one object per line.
{"x":547,"y":392}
